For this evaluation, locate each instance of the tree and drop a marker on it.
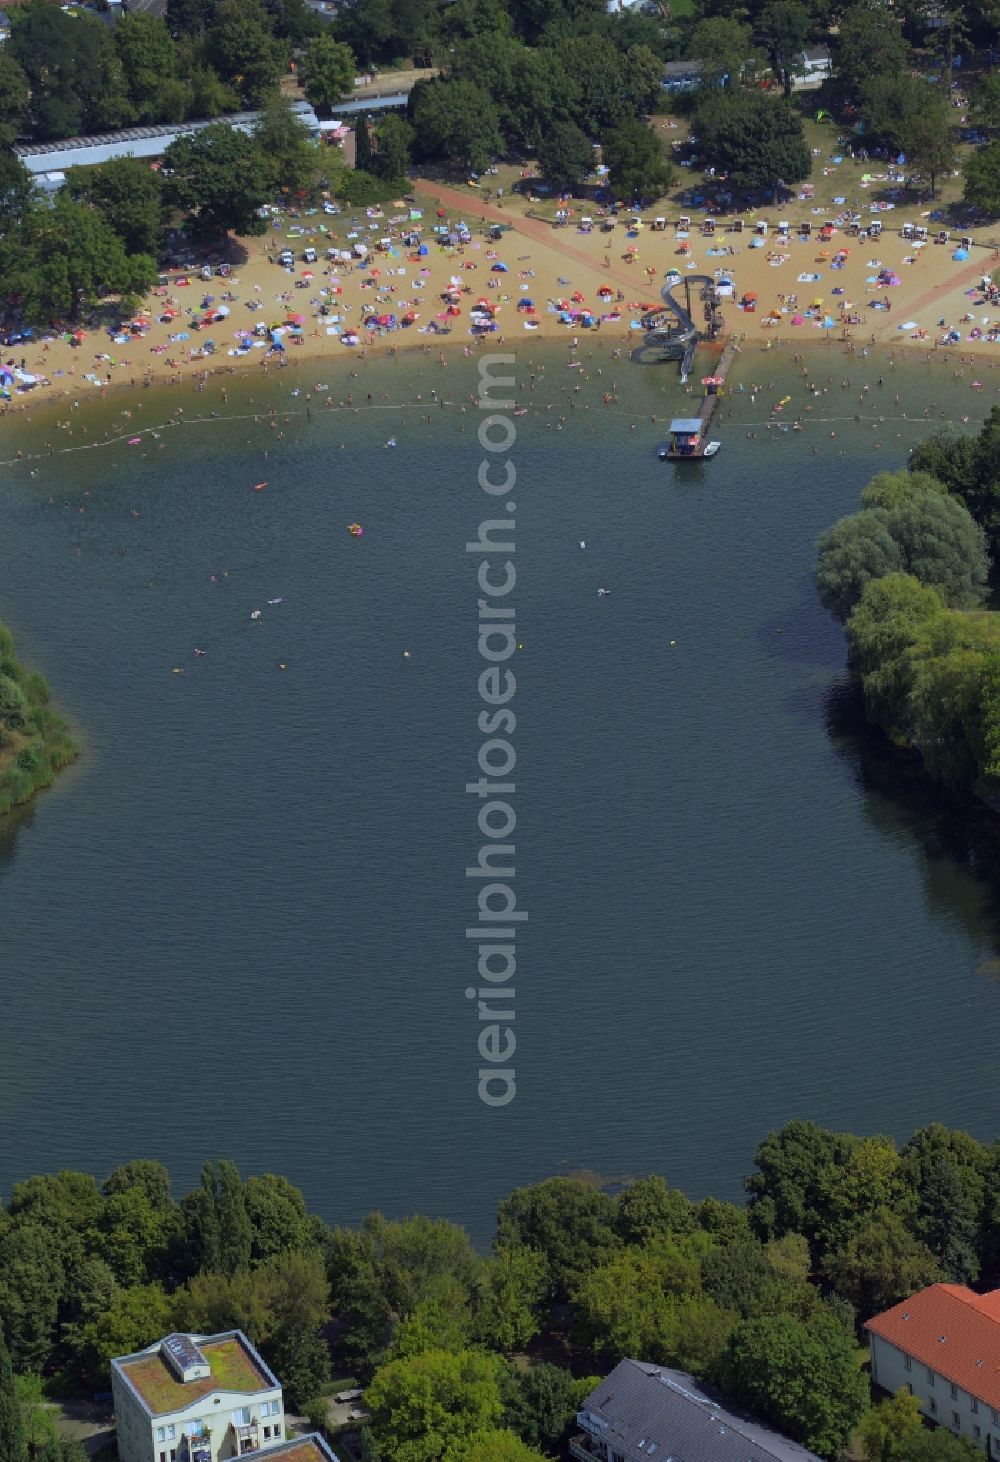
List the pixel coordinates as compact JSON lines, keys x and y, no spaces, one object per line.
{"x":16,"y":189}
{"x":930,"y":535}
{"x":455,"y":120}
{"x":13,"y":1444}
{"x":32,"y":1278}
{"x":328,"y":70}
{"x":722,"y":47}
{"x":220,"y":175}
{"x":870,"y":43}
{"x":634,"y":156}
{"x":649,"y":1210}
{"x":856,"y":549}
{"x":540,"y":1405}
{"x":279,"y":1219}
{"x":888,"y":1431}
{"x":890,"y":617}
{"x":567,"y":1221}
{"x":133,"y":1236}
{"x":74,"y":70}
{"x":643,"y":78}
{"x":143,"y":1173}
{"x":891,"y":489}
{"x":244,"y":50}
{"x":784,"y":29}
{"x":508,"y":1298}
{"x":292,"y":152}
{"x":356,"y":1295}
{"x":942,"y":546}
{"x":755,"y":138}
{"x":805,"y":1379}
{"x":15,"y":96}
{"x":984,"y":100}
{"x":136,"y":1318}
{"x":598,"y":69}
{"x":427,"y":1404}
{"x":493,"y":1446}
{"x":149,"y":62}
{"x":391,"y":157}
{"x":880,"y":1264}
{"x":565,"y":156}
{"x":128,"y":195}
{"x":982,"y":179}
{"x":929,"y":142}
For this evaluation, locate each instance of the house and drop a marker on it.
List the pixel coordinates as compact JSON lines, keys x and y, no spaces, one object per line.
{"x":645,"y":1411}
{"x":943,"y":1345}
{"x":681,"y":75}
{"x":196,"y":1398}
{"x":813,"y":67}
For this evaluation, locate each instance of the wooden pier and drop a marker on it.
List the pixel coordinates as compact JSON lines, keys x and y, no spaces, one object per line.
{"x":688,"y":435}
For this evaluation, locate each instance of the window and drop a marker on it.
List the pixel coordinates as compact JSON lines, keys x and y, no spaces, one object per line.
{"x":933,"y":1404}
{"x":954,"y":1391}
{"x":956,"y":1420}
{"x":270,"y":1408}
{"x":976,"y":1432}
{"x":161,"y":1435}
{"x":930,"y":1376}
{"x":995,"y":1416}
{"x":171,"y":1433}
{"x":241,"y":1416}
{"x":277,"y":1431}
{"x":267,"y":1433}
{"x":907,"y":1362}
{"x":974,"y":1404}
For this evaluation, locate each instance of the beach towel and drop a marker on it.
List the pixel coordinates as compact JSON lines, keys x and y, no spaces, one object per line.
{"x":809,"y":278}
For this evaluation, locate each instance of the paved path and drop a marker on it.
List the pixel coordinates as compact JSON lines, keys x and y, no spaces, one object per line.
{"x":469,"y":205}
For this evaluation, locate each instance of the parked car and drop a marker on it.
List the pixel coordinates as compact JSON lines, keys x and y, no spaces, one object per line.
{"x":309,"y":255}
{"x":286,"y":258}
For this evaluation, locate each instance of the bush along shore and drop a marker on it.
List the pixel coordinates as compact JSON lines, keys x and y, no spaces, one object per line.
{"x":34,"y":741}
{"x":909,"y":577}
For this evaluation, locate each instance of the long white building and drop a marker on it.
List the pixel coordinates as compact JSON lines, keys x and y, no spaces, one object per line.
{"x":943,"y":1346}
{"x":196,"y":1398}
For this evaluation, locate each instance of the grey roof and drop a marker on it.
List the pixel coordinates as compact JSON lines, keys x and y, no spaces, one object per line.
{"x":674,"y":69}
{"x":648,"y":1411}
{"x":686,"y":426}
{"x":41,"y":157}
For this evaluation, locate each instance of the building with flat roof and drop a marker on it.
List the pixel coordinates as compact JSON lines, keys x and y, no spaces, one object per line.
{"x":196,"y":1398}
{"x":646,"y":1411}
{"x":47,"y":157}
{"x":943,"y":1345}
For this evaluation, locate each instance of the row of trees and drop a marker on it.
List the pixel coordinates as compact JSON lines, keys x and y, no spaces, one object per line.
{"x":105,"y":230}
{"x":908,"y":576}
{"x":762,"y":1300}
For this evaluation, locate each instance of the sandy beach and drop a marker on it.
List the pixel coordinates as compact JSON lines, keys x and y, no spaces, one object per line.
{"x":872,"y":292}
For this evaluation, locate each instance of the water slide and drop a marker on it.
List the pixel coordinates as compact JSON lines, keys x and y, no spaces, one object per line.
{"x":664,"y":341}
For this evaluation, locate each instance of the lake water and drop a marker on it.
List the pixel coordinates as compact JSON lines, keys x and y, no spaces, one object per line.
{"x":236,"y":926}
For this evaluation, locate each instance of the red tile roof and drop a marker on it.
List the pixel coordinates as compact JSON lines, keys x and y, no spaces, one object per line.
{"x":953,"y":1331}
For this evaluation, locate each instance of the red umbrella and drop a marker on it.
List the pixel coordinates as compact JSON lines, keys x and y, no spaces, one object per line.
{"x":441,"y":213}
{"x":578,"y":297}
{"x":297,"y":319}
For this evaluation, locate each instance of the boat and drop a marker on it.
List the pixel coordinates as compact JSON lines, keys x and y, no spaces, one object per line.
{"x":711,"y":448}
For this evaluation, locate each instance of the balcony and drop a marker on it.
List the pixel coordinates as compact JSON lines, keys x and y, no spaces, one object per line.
{"x":584,"y":1448}
{"x":247,"y":1439}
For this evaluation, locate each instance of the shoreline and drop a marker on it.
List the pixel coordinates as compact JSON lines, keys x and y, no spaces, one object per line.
{"x":524,"y":278}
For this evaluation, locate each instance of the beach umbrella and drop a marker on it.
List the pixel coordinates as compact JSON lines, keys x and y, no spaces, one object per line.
{"x":960,"y":254}
{"x":798,"y":320}
{"x":296,"y":319}
{"x":605,"y":291}
{"x":577,"y":297}
{"x":827,"y":323}
{"x":499,"y":268}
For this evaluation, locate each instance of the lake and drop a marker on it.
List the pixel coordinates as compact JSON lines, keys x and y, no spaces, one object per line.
{"x":236,"y":926}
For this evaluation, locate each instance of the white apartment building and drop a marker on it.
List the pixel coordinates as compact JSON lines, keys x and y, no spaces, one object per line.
{"x":943,"y":1345}
{"x":196,"y":1398}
